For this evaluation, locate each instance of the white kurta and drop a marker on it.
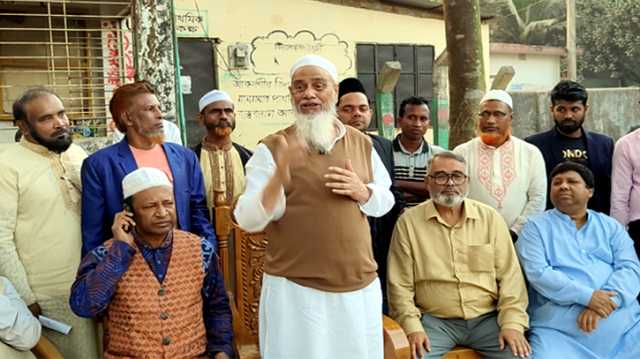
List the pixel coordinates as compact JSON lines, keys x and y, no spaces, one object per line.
{"x":18,"y":327}
{"x":510,"y":178}
{"x":40,"y":237}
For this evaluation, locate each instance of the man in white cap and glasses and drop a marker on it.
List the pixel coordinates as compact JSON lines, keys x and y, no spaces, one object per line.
{"x":311,"y":187}
{"x":158,"y":289}
{"x":221,"y":160}
{"x":504,"y":171}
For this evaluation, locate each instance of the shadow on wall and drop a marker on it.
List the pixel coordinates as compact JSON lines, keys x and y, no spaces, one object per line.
{"x":612,"y":111}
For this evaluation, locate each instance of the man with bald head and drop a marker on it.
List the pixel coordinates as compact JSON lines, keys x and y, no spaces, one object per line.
{"x":311,"y":187}
{"x":504,"y":170}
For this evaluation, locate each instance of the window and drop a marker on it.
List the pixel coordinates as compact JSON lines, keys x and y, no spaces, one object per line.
{"x":81,"y":49}
{"x":416,"y":77}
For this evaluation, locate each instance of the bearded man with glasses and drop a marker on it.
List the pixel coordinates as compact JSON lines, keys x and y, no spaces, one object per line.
{"x":453,"y":274}
{"x":506,"y":171}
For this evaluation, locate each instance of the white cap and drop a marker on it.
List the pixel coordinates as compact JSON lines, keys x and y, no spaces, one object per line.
{"x":142,"y":179}
{"x":498,"y":95}
{"x":315,"y":60}
{"x":211,"y":97}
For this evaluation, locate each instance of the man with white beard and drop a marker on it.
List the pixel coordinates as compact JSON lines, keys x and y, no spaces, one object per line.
{"x":453,"y":275}
{"x":311,"y":187}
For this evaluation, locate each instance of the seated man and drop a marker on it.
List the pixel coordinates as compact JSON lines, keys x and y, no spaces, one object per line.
{"x":453,"y":274}
{"x":158,"y":289}
{"x":583,"y":273}
{"x":19,"y":329}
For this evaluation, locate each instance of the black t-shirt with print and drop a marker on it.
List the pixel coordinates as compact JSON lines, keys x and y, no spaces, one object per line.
{"x":574,"y":149}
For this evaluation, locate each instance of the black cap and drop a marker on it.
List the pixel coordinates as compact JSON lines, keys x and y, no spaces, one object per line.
{"x":349,"y":85}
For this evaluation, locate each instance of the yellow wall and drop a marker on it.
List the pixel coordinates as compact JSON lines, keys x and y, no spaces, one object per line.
{"x":279,"y":32}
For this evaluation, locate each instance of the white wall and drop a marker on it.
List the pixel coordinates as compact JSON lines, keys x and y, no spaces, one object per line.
{"x":533,"y":72}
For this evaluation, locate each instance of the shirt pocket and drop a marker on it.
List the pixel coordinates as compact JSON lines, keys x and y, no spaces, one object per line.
{"x":480,"y":258}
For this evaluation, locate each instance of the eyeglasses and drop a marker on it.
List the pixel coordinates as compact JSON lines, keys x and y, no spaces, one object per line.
{"x":443,"y":178}
{"x":488,"y":114}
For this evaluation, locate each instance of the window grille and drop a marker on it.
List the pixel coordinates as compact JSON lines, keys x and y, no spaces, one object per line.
{"x":416,"y":77}
{"x":80,"y":49}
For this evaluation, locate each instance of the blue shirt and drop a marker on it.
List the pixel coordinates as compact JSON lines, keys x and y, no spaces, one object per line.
{"x":102,"y":268}
{"x":565,"y":265}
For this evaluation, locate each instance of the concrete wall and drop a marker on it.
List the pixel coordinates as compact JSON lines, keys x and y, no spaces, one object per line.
{"x":533,"y":72}
{"x":612,"y":111}
{"x":280,"y":31}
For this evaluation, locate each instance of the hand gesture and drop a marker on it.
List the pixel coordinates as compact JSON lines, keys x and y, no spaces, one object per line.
{"x":345,"y":182}
{"x":285,"y":153}
{"x":588,"y":320}
{"x":601,"y":302}
{"x":123,"y":224}
{"x":418,"y":341}
{"x":516,"y":341}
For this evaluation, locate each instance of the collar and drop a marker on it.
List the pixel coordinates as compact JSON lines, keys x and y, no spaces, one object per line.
{"x":209,"y":146}
{"x":506,"y":144}
{"x":469,"y":210}
{"x":567,"y":219}
{"x":168,"y":241}
{"x":342,"y":131}
{"x":397,"y":146}
{"x":38,"y":148}
{"x":559,"y":134}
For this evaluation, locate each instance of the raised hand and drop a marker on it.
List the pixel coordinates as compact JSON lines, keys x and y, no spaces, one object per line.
{"x":123,"y":224}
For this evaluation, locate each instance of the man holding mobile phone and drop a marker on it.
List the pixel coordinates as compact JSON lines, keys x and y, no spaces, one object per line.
{"x":158,"y":289}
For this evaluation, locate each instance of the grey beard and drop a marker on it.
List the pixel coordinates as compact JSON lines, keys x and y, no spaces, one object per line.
{"x":448,"y":200}
{"x":317,"y":130}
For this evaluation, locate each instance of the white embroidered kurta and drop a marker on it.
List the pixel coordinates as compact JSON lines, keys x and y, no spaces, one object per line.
{"x":510,"y":178}
{"x":40,"y":238}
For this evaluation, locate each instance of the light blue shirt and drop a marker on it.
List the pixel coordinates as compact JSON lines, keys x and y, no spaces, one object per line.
{"x":564,"y":265}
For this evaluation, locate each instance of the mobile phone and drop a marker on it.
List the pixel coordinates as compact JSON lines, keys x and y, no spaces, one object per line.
{"x":127,"y":208}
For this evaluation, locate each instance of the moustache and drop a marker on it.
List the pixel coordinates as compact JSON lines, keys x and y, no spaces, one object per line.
{"x":62,"y":132}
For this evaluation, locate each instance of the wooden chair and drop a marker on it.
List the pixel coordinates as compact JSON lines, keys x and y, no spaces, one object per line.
{"x":249,"y":254}
{"x":46,"y":350}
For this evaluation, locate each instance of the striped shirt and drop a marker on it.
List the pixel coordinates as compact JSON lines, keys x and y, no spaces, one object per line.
{"x":410,"y":166}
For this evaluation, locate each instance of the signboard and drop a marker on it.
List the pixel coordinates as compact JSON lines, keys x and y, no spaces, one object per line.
{"x":192,"y":23}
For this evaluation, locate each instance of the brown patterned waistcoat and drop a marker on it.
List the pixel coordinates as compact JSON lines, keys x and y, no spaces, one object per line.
{"x":148,"y":319}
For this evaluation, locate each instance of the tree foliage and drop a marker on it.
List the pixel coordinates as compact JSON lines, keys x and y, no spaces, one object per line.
{"x":531,"y":22}
{"x":609,"y":36}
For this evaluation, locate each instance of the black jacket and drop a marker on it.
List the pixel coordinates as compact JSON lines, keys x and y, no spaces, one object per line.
{"x":599,"y":153}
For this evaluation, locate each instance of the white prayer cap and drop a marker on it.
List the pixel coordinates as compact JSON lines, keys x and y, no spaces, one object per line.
{"x":315,"y":60}
{"x":142,"y":179}
{"x":498,"y":95}
{"x":211,"y":97}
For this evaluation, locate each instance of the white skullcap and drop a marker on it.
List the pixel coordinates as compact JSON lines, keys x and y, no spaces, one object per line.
{"x":498,"y":95}
{"x":142,"y":179}
{"x":211,"y":97}
{"x":315,"y":60}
